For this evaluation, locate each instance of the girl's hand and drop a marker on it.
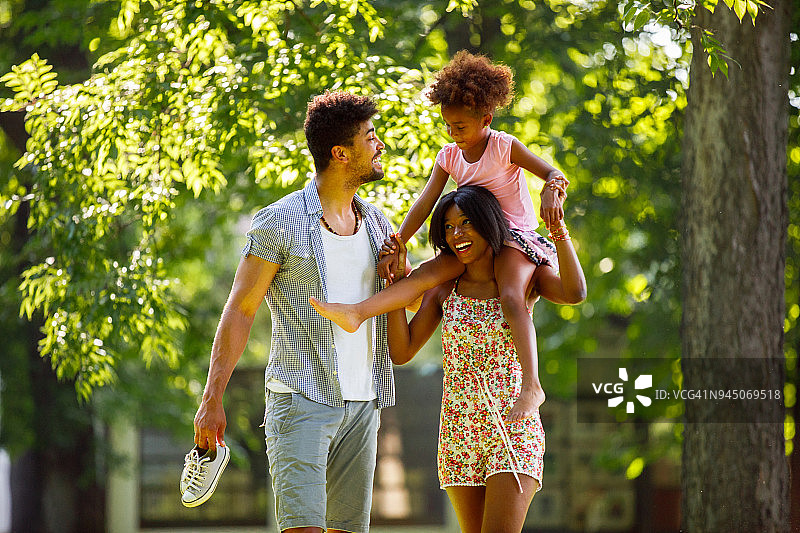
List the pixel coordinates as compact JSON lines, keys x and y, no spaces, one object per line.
{"x":388,"y":247}
{"x":387,"y":265}
{"x":392,"y":259}
{"x":402,"y":254}
{"x":527,"y":405}
{"x":387,"y":260}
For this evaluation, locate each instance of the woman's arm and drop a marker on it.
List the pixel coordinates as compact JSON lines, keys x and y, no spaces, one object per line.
{"x":406,"y":338}
{"x":569,"y":285}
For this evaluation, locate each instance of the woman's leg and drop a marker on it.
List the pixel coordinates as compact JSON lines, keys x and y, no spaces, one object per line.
{"x":505,"y":507}
{"x":468,"y":503}
{"x":513,"y":271}
{"x":398,"y":295}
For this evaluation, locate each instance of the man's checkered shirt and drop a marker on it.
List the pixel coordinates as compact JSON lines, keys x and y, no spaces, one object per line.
{"x":303,"y":355}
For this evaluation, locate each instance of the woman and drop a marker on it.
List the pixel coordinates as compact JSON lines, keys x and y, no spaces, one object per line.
{"x":490,"y":466}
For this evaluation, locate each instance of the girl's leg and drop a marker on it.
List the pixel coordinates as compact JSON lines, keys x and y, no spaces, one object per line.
{"x":505,"y":508}
{"x":398,"y":295}
{"x":513,"y":271}
{"x":468,"y":503}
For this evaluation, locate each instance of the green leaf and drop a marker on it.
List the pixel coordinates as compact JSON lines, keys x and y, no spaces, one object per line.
{"x":723,"y":66}
{"x":740,"y":8}
{"x":753,"y":9}
{"x":631,"y":11}
{"x":466,"y":6}
{"x":30,"y":80}
{"x":642,"y":18}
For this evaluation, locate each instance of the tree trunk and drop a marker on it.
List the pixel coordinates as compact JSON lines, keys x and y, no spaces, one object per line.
{"x":55,"y":486}
{"x":734,"y":200}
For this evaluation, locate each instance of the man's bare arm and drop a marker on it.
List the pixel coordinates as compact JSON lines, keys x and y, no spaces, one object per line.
{"x":253,"y":278}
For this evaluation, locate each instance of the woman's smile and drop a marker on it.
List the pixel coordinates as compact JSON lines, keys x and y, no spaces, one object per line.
{"x":462,"y":237}
{"x":462,"y":247}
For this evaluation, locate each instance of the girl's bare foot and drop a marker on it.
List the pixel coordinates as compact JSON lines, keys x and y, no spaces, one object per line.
{"x":343,"y":315}
{"x":526,"y":405}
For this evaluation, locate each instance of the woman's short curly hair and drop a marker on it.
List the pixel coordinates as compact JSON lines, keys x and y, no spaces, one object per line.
{"x":472,"y":81}
{"x":333,"y":119}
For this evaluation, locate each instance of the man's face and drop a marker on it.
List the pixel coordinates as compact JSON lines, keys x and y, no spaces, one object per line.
{"x":365,"y":164}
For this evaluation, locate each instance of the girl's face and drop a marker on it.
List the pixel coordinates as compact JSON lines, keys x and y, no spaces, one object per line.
{"x":465,"y":127}
{"x":461,"y":236}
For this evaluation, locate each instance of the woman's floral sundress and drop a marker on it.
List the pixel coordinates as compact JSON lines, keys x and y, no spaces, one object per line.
{"x":482,"y":374}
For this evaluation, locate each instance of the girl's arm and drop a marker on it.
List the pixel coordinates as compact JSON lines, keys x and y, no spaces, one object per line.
{"x":419,"y":212}
{"x":523,"y":157}
{"x":424,"y":204}
{"x":569,"y":285}
{"x":551,"y":209}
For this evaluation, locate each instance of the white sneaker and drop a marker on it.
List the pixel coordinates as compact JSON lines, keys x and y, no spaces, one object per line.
{"x":189,"y":461}
{"x":201,"y":474}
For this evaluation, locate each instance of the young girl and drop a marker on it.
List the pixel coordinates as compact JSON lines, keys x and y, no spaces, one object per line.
{"x":469,"y":90}
{"x":491,"y":468}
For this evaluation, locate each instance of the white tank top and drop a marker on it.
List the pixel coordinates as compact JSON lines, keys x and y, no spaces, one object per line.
{"x":350,"y":278}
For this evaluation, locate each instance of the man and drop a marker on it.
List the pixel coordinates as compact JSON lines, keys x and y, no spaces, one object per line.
{"x":325,"y":387}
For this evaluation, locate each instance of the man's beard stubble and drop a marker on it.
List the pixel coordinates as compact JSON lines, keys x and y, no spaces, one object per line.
{"x":366,"y":177}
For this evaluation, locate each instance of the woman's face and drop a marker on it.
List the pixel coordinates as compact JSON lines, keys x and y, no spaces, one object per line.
{"x":461,"y":236}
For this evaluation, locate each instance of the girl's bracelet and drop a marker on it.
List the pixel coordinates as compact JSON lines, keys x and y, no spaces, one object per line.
{"x":555,"y":181}
{"x":555,"y":185}
{"x":556,"y":175}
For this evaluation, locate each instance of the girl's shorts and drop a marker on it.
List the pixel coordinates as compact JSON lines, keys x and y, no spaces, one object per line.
{"x":538,"y":249}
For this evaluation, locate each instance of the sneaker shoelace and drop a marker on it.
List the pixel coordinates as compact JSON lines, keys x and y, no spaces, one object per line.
{"x":196,"y":470}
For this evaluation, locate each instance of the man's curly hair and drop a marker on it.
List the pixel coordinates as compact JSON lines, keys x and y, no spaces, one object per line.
{"x":333,"y":119}
{"x":472,"y":81}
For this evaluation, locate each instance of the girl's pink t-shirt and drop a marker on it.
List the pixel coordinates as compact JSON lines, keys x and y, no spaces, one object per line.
{"x":495,"y":172}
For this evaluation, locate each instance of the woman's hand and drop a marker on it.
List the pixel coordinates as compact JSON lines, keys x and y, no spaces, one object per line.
{"x":552,"y":207}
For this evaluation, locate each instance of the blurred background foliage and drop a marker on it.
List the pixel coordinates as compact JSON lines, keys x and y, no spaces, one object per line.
{"x":156,"y":130}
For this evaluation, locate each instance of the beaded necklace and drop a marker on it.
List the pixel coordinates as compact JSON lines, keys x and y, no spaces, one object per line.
{"x":355,"y":213}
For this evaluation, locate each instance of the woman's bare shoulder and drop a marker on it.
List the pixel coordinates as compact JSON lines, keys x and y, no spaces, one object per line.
{"x":443,"y":290}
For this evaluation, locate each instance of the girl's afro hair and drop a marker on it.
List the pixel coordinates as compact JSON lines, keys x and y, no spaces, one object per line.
{"x":474,"y":82}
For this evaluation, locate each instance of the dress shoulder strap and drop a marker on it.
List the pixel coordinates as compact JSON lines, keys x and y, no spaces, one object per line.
{"x":453,"y":294}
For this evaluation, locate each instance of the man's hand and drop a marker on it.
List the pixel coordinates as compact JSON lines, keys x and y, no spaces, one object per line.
{"x":209,"y":425}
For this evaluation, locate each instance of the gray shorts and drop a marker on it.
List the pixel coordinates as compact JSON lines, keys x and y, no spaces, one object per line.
{"x":322,"y":461}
